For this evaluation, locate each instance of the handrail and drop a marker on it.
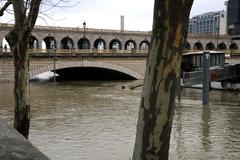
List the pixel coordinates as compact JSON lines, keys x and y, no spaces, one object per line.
{"x":82,"y":51}
{"x":106,"y":51}
{"x":87,"y":51}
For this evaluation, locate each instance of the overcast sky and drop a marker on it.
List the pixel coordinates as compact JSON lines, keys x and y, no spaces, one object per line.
{"x":105,"y":14}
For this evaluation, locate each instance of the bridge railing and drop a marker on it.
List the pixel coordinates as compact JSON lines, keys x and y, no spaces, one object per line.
{"x":87,"y":51}
{"x":228,"y":53}
{"x":82,"y":51}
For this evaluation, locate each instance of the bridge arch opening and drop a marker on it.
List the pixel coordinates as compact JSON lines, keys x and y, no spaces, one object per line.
{"x":233,"y":46}
{"x":49,"y":42}
{"x":33,"y":42}
{"x":115,"y":44}
{"x":99,"y":44}
{"x":210,"y":46}
{"x":130,"y":44}
{"x":144,"y":44}
{"x":187,"y":46}
{"x":198,"y":46}
{"x":83,"y":43}
{"x":91,"y":73}
{"x":5,"y":45}
{"x":117,"y":71}
{"x":222,"y":46}
{"x":67,"y":43}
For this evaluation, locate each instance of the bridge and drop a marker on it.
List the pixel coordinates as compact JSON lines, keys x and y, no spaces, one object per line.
{"x":117,"y":51}
{"x":46,"y":37}
{"x":107,"y":63}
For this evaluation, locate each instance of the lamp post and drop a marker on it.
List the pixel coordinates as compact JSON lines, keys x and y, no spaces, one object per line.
{"x":84,"y":27}
{"x":52,"y":46}
{"x":231,"y":49}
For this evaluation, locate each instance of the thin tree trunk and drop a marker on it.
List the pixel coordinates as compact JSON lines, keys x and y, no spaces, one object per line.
{"x":18,"y":39}
{"x":25,"y":15}
{"x":158,"y":96}
{"x":21,"y":92}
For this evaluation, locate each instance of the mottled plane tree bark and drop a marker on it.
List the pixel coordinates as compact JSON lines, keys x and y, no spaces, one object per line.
{"x":170,"y":23}
{"x":25,"y":15}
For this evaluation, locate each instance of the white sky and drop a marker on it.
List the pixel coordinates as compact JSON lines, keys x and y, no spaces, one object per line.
{"x":105,"y":14}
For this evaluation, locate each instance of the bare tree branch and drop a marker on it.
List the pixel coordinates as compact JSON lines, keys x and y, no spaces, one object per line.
{"x":46,"y":10}
{"x":33,"y":13}
{"x":49,"y":5}
{"x":8,"y":3}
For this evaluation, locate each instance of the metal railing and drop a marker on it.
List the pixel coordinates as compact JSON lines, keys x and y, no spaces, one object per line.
{"x":225,"y":73}
{"x":192,"y":78}
{"x":82,"y":51}
{"x":110,"y":51}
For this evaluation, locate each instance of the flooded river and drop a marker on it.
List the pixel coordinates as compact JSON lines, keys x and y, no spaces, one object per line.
{"x":97,"y":121}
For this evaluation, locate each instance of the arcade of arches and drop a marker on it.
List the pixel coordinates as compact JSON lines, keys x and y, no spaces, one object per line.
{"x":210,"y":46}
{"x":49,"y":42}
{"x":67,"y":42}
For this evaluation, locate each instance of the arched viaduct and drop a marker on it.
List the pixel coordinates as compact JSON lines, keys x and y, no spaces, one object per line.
{"x":46,"y":37}
{"x":132,"y":64}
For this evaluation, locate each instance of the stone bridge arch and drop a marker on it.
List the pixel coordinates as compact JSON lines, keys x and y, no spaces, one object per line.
{"x":93,"y":64}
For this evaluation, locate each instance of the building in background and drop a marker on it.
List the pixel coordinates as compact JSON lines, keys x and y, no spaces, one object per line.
{"x":223,"y":23}
{"x":233,"y":18}
{"x":209,"y":23}
{"x":122,"y":23}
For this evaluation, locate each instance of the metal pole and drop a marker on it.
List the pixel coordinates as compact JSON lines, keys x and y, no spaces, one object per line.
{"x":84,"y":27}
{"x":217,"y":38}
{"x":54,"y":59}
{"x":179,"y":88}
{"x":54,"y":67}
{"x":206,"y":77}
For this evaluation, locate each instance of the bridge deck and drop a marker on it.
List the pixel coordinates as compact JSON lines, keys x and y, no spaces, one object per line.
{"x":81,"y":53}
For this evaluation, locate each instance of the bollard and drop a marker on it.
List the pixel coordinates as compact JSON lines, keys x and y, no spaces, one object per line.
{"x":206,"y":77}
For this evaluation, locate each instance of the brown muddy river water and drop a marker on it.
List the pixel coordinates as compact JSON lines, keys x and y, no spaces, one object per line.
{"x":97,"y":121}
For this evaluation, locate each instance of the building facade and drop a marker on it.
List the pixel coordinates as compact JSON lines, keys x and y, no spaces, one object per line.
{"x":233,"y":9}
{"x":208,"y":23}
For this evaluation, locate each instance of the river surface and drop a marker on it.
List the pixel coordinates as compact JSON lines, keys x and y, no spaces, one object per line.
{"x":97,"y":121}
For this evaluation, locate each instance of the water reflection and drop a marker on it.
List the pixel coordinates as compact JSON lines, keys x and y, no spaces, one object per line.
{"x":96,"y":121}
{"x":206,"y":126}
{"x":87,"y":120}
{"x":206,"y":132}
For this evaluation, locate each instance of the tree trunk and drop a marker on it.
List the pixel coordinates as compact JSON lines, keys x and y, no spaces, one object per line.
{"x":18,"y":39}
{"x":21,"y":92}
{"x":25,"y":15}
{"x":158,"y":96}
